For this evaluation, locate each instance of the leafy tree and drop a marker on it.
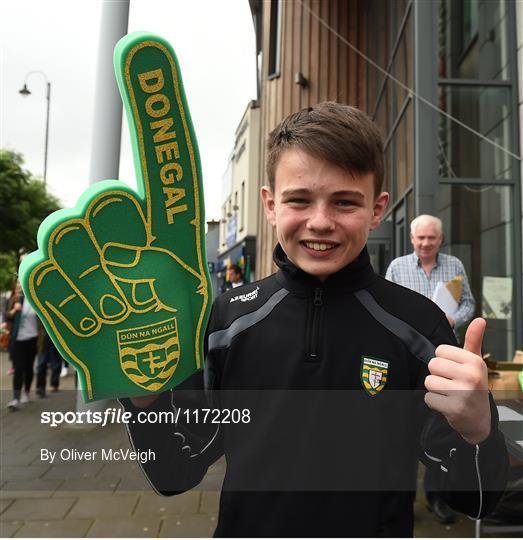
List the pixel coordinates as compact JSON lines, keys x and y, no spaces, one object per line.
{"x":24,"y":204}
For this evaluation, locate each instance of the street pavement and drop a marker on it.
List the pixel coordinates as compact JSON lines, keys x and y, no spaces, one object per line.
{"x":109,"y":498}
{"x":86,"y":499}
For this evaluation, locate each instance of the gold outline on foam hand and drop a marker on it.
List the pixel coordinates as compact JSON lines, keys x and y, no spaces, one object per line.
{"x":145,"y":172}
{"x":50,"y":264}
{"x":45,"y":267}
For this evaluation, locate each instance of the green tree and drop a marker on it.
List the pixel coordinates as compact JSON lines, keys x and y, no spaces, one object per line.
{"x":24,"y":203}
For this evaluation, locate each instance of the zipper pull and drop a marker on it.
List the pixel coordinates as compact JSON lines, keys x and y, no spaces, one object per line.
{"x":318,"y":296}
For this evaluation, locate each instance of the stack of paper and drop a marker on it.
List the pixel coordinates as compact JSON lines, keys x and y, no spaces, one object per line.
{"x":448,"y":295}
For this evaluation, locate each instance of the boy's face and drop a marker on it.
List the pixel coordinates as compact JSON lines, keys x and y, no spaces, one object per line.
{"x":322,"y":214}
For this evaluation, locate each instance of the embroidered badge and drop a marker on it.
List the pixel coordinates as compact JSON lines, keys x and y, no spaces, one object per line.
{"x":373,"y":374}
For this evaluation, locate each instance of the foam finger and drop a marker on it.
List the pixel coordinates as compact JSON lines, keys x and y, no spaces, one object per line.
{"x":77,"y":258}
{"x":59,"y":304}
{"x":166,"y":151}
{"x":117,"y":216}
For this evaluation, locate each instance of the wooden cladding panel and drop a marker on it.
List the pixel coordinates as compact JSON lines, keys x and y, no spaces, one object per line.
{"x":312,"y":91}
{"x":332,"y":70}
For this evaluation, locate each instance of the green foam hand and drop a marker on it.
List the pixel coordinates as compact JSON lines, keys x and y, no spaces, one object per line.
{"x":121,"y":281}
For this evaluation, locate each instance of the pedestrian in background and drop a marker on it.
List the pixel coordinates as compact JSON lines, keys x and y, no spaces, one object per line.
{"x":233,"y":279}
{"x":48,"y":358}
{"x":426,"y":266}
{"x":23,"y":345}
{"x":421,"y":271}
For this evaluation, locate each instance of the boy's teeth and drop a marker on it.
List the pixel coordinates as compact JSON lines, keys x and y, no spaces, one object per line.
{"x":318,"y":246}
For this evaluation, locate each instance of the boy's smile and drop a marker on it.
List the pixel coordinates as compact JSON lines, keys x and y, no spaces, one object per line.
{"x":322,"y":213}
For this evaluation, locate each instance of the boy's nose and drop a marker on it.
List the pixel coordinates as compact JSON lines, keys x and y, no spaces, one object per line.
{"x":320,"y":220}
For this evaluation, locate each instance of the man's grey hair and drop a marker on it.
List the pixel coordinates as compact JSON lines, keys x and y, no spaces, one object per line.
{"x":426,"y":219}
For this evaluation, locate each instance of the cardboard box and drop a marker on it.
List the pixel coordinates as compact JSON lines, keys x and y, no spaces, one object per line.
{"x":503,"y":377}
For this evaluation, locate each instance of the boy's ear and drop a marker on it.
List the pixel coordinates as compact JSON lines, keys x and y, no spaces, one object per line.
{"x":380,"y":205}
{"x":268,"y":204}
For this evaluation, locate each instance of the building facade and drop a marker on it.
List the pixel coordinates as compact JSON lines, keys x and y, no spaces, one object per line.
{"x":239,"y":210}
{"x":212,"y":241}
{"x":440,"y":79}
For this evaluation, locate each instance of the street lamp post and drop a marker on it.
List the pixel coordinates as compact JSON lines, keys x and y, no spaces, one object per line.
{"x":25,"y":92}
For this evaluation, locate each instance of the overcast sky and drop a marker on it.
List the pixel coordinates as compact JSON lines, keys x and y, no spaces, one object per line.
{"x":214,"y":42}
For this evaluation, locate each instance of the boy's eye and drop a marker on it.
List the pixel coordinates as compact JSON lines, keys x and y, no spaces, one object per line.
{"x":297,"y":200}
{"x":345,"y":203}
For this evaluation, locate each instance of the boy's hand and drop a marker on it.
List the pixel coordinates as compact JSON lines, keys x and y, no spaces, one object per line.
{"x":458,"y":385}
{"x":144,"y":401}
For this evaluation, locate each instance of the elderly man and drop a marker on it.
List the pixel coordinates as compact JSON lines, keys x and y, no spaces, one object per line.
{"x":426,"y":266}
{"x":421,"y":271}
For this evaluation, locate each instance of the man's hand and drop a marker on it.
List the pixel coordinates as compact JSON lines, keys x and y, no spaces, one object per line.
{"x":120,"y":281}
{"x":458,"y":385}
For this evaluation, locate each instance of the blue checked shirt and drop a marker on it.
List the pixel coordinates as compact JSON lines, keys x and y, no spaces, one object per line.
{"x":407,"y":271}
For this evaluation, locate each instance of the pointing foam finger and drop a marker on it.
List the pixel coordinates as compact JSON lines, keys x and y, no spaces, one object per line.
{"x":164,"y":144}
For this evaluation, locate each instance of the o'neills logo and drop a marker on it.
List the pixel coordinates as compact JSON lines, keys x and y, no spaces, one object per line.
{"x":149,"y":354}
{"x":247,"y":297}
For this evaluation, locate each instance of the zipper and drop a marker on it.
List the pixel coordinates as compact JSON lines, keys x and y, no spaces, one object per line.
{"x":480,"y":487}
{"x":314,"y":333}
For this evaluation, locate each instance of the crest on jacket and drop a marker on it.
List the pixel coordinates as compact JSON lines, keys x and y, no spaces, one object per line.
{"x":373,"y":375}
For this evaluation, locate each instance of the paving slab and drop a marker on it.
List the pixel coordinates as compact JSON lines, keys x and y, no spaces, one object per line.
{"x":210,"y":502}
{"x":142,"y":527}
{"x":134,"y":484}
{"x":29,"y":509}
{"x":212,"y":481}
{"x":73,"y":470}
{"x":151,"y":504}
{"x":8,"y":529}
{"x":122,"y":470}
{"x":23,"y":458}
{"x":103,"y":485}
{"x":103,"y":506}
{"x":188,"y":526}
{"x":36,"y":485}
{"x":23,"y":472}
{"x":4,"y":504}
{"x":426,"y":526}
{"x":73,"y":528}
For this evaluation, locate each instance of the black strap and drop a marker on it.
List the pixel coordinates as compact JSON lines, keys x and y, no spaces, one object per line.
{"x":417,"y":344}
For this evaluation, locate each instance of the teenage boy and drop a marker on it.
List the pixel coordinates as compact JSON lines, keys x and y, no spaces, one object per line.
{"x":334,"y":359}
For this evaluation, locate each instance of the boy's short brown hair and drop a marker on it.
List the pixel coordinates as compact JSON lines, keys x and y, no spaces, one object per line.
{"x":339,"y":134}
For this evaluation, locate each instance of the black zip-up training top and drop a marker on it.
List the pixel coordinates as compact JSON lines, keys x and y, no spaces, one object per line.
{"x":332,"y":375}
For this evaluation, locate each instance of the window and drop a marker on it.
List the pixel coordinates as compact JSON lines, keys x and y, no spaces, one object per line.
{"x":275,"y":39}
{"x":469,"y":22}
{"x":461,"y":153}
{"x":243,"y":204}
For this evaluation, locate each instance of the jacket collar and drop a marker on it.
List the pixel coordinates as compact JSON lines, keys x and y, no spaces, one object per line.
{"x":355,"y":276}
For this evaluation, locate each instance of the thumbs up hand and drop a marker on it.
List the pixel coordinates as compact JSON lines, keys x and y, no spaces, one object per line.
{"x":458,"y":385}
